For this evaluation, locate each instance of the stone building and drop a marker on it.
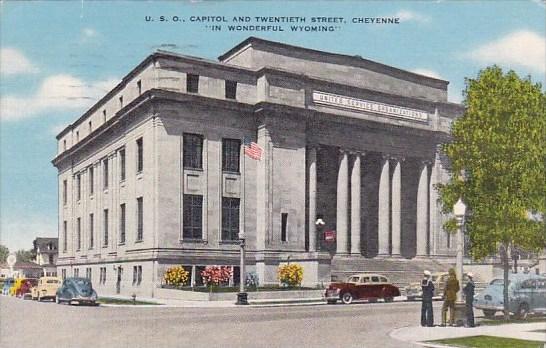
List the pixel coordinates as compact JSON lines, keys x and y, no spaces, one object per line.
{"x":154,"y":174}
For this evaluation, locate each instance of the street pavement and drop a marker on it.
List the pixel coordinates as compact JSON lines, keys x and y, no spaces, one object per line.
{"x":30,"y":324}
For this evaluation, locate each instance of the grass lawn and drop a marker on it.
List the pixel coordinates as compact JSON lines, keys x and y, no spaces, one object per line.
{"x":489,"y":342}
{"x":501,"y":321}
{"x":109,"y":300}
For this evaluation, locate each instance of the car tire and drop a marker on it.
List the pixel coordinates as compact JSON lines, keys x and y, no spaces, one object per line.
{"x":347,"y":298}
{"x":331,"y":301}
{"x":39,"y":298}
{"x":489,"y":314}
{"x":389,"y":299}
{"x":57,"y":300}
{"x":523,"y":311}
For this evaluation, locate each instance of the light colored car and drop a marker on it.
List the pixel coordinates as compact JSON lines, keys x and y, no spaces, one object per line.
{"x":526,"y":293}
{"x":414,"y":291}
{"x":46,"y":289}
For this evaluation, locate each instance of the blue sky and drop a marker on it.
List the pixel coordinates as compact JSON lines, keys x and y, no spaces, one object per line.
{"x":58,"y":58}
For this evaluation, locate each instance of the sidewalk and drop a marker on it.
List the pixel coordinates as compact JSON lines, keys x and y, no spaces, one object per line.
{"x":419,"y":335}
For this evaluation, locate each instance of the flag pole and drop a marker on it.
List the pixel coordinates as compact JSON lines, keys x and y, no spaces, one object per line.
{"x":242,"y":296}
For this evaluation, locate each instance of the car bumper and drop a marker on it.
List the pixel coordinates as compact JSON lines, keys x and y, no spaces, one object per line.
{"x":330,"y":295}
{"x":489,"y":307}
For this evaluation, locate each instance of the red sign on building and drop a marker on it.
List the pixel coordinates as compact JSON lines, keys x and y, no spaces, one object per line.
{"x":329,"y":236}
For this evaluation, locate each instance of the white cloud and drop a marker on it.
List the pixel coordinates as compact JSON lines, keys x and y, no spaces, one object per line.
{"x":522,"y":48}
{"x":406,"y":16}
{"x":541,"y":3}
{"x":13,"y":62}
{"x":427,"y":72}
{"x":89,"y":32}
{"x":19,"y":232}
{"x":56,"y":93}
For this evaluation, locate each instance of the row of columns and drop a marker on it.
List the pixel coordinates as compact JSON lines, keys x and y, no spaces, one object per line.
{"x":389,"y":205}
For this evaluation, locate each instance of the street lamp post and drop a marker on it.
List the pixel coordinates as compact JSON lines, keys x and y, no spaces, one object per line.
{"x":242,"y":296}
{"x":319,"y":223}
{"x":459,"y":210}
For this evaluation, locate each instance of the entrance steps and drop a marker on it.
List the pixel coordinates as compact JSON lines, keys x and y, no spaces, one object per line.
{"x":400,"y":271}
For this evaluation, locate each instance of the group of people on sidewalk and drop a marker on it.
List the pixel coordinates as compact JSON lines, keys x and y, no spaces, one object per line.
{"x":451,"y":288}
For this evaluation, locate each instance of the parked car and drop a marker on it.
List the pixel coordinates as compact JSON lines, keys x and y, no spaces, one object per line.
{"x":16,"y":286}
{"x":414,"y":291}
{"x":526,"y":293}
{"x":79,"y":290}
{"x":364,"y":286}
{"x":8,"y":283}
{"x":24,"y":290}
{"x":46,"y":289}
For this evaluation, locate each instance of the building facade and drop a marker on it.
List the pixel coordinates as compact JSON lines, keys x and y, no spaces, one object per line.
{"x":46,"y":250}
{"x":154,"y":174}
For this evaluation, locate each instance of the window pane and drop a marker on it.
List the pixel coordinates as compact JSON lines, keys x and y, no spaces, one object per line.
{"x":192,"y":217}
{"x":192,"y":83}
{"x":193,"y":151}
{"x":230,"y":155}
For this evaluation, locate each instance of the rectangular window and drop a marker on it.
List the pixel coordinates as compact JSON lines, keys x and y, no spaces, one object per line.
{"x":193,"y":217}
{"x":122,"y":223}
{"x":193,"y":151}
{"x":91,"y":231}
{"x":231,"y":89}
{"x":105,"y":173}
{"x":105,"y":228}
{"x":91,"y":180}
{"x":134,"y":275}
{"x":65,"y":192}
{"x":90,"y":125}
{"x":140,"y":218}
{"x":76,"y":272}
{"x":139,"y":87}
{"x":231,"y":149}
{"x":63,"y":274}
{"x":64,"y":145}
{"x":65,"y":238}
{"x":192,"y":83}
{"x":284,"y":222}
{"x":140,"y":155}
{"x":78,"y":186}
{"x":122,"y":164}
{"x":77,"y":136}
{"x":79,"y":233}
{"x":139,"y":275}
{"x":102,"y":275}
{"x":51,"y":260}
{"x":88,"y":273}
{"x":121,"y":102}
{"x":230,"y":218}
{"x":104,"y":115}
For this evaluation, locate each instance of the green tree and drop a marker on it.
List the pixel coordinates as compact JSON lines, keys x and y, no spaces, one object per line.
{"x":4,"y":252}
{"x":25,"y":255}
{"x":498,"y":156}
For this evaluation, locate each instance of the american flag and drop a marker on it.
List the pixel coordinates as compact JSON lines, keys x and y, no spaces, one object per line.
{"x":252,"y":149}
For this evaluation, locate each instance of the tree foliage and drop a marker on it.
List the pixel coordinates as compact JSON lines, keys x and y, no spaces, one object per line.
{"x":4,"y":252}
{"x":498,"y":156}
{"x":25,"y":255}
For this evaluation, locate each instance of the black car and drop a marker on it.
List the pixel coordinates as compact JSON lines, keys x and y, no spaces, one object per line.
{"x":76,"y":290}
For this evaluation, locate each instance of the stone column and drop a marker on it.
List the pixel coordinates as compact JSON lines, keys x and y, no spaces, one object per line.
{"x":383,"y":209}
{"x":396,"y":207}
{"x":422,"y":211}
{"x":312,"y":170}
{"x":342,"y":203}
{"x":433,"y":209}
{"x":355,"y":205}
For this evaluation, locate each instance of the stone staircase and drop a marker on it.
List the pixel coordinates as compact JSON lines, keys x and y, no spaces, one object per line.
{"x":400,"y":272}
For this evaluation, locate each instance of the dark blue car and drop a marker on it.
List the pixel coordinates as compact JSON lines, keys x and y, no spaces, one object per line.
{"x":76,"y":290}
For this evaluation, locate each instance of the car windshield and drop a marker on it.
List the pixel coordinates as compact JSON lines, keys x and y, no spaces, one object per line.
{"x":82,"y":282}
{"x":498,"y":282}
{"x":52,"y":281}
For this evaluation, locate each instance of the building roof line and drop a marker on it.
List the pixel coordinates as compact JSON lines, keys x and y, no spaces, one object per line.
{"x":337,"y":58}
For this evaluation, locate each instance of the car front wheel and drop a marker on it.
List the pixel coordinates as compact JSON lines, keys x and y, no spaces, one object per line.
{"x":489,"y":313}
{"x":388,"y":299}
{"x":523,"y":311}
{"x":57,"y":300}
{"x":347,"y":298}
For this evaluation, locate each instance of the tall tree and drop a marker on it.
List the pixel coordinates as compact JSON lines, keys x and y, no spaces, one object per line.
{"x":25,"y":255}
{"x":4,"y":252}
{"x":498,"y":156}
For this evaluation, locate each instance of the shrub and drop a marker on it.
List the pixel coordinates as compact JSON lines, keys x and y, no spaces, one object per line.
{"x":252,"y":280}
{"x":216,"y":275}
{"x":176,"y":276}
{"x":290,"y":274}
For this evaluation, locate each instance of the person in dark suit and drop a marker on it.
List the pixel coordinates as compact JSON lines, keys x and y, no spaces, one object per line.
{"x":427,"y":286}
{"x":469,"y":300}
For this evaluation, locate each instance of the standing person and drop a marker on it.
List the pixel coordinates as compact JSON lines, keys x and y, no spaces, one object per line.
{"x":427,"y":286}
{"x":469,"y":300}
{"x":450,"y":296}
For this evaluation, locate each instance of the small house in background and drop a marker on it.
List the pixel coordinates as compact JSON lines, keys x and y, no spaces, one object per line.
{"x":22,"y":269}
{"x":46,"y":250}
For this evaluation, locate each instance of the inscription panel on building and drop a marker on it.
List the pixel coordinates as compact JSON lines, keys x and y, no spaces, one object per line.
{"x":356,"y":104}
